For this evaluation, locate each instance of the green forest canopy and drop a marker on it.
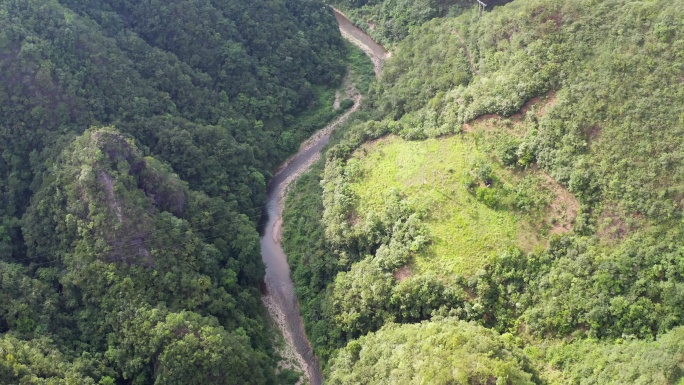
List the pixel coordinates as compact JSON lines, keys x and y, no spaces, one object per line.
{"x":136,"y":141}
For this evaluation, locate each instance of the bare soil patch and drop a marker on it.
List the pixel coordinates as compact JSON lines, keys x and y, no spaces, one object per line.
{"x":614,"y":224}
{"x":540,"y":105}
{"x":564,"y":206}
{"x":402,"y":273}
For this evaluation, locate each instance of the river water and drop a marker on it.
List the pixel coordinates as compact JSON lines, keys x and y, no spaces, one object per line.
{"x":377,"y":53}
{"x":279,"y":295}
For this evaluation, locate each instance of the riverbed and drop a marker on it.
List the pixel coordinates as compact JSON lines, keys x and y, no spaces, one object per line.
{"x":279,"y":295}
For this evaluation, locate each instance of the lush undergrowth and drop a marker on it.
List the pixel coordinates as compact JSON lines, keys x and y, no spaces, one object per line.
{"x":440,"y":352}
{"x":622,"y":362}
{"x":556,"y":220}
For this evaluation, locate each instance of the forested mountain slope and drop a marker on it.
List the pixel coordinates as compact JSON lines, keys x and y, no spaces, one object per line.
{"x":518,"y":170}
{"x":136,"y":142}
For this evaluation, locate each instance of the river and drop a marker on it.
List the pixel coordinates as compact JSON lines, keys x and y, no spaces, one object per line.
{"x":279,"y":295}
{"x":377,"y":53}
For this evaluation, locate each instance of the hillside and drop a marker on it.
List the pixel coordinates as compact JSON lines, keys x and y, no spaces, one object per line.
{"x":520,"y":171}
{"x":137,"y":139}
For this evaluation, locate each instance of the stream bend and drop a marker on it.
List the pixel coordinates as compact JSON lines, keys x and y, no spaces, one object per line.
{"x":279,"y":295}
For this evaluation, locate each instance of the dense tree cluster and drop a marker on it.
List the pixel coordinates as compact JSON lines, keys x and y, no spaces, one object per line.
{"x":136,"y":141}
{"x":441,"y":352}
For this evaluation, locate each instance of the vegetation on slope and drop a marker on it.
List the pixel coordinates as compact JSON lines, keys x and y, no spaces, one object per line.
{"x":446,"y":351}
{"x":311,"y":265}
{"x":440,"y":352}
{"x":136,"y":141}
{"x":623,"y":362}
{"x":610,"y":134}
{"x":473,"y":209}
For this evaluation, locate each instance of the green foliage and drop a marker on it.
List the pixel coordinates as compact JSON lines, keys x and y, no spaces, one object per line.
{"x":591,"y":94}
{"x":362,"y":69}
{"x":410,"y":81}
{"x":440,"y":352}
{"x":159,"y":213}
{"x":39,"y":362}
{"x":418,"y":298}
{"x":136,"y":65}
{"x":359,"y":297}
{"x":346,"y":104}
{"x":312,"y":263}
{"x":586,"y":139}
{"x":340,"y":304}
{"x":603,"y":106}
{"x":327,"y":229}
{"x":28,"y":306}
{"x":625,"y":362}
{"x":119,"y":218}
{"x":183,"y":348}
{"x":632,"y":290}
{"x":470,"y":213}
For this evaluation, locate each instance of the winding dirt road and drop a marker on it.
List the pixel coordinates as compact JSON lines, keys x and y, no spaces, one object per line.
{"x":279,"y":294}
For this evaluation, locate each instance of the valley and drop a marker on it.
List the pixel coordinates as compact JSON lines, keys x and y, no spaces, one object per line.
{"x":362,"y":192}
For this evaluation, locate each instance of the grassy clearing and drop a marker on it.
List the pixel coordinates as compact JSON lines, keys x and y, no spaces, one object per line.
{"x":434,"y":175}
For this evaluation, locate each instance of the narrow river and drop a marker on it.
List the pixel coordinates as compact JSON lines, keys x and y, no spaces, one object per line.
{"x":279,"y":296}
{"x":377,"y":53}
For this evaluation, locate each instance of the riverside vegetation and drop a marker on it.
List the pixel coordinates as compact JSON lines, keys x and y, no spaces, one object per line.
{"x":507,"y":208}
